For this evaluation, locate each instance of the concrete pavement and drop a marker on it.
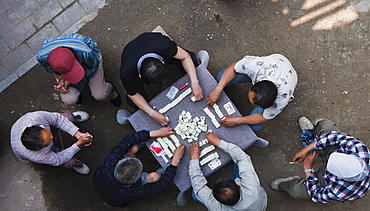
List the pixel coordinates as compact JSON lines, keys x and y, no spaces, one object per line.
{"x":26,"y":23}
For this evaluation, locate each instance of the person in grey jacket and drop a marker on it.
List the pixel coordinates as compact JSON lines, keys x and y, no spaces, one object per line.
{"x":31,"y":140}
{"x":244,"y":192}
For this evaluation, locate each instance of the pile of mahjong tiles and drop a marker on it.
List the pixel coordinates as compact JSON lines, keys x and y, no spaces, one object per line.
{"x":189,"y":128}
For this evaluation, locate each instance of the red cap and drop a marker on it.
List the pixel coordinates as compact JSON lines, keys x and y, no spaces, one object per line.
{"x":63,"y":61}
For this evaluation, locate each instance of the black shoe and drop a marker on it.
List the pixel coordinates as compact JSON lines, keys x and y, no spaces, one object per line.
{"x":79,"y":101}
{"x":116,"y":101}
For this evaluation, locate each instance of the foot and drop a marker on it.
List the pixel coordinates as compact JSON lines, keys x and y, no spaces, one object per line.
{"x":81,"y":116}
{"x":203,"y":57}
{"x":182,"y":198}
{"x":305,"y":123}
{"x":116,"y":98}
{"x":319,"y":120}
{"x":82,"y":170}
{"x":275,"y":184}
{"x":133,"y":150}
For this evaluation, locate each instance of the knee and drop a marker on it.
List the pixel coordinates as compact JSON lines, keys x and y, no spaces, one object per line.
{"x":153,"y":177}
{"x":100,"y":96}
{"x":70,"y":100}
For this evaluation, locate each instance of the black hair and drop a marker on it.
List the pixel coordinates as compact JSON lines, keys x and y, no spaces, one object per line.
{"x":31,"y":138}
{"x":153,"y":72}
{"x":265,"y":93}
{"x":226,"y":191}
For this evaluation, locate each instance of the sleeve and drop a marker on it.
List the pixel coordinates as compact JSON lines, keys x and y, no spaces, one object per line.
{"x":57,"y":158}
{"x":91,"y":43}
{"x":246,"y":170}
{"x":59,"y":121}
{"x":124,"y":145}
{"x":132,"y":83}
{"x":319,"y":193}
{"x":199,"y":183}
{"x":42,"y":60}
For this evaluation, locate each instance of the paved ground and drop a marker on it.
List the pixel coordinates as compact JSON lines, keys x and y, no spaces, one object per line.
{"x":26,"y":23}
{"x":328,"y":48}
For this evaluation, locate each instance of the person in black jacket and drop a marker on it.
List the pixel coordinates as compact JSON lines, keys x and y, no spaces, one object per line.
{"x":120,"y":179}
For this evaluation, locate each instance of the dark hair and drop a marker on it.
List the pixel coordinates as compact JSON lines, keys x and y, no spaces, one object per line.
{"x":153,"y":71}
{"x":31,"y":138}
{"x":226,"y":191}
{"x":265,"y":93}
{"x":128,"y":170}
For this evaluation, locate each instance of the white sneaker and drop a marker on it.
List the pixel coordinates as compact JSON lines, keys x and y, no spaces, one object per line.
{"x":84,"y":169}
{"x":305,"y":123}
{"x":81,"y":116}
{"x":275,"y":184}
{"x":203,"y":57}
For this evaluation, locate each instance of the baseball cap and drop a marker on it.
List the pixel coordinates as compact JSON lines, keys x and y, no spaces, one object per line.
{"x":348,"y":167}
{"x":63,"y":61}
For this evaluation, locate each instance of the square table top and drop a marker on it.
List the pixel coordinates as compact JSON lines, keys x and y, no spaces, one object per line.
{"x":241,"y":135}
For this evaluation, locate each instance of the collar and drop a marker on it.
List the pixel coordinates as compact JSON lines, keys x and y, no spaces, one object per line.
{"x":152,"y":55}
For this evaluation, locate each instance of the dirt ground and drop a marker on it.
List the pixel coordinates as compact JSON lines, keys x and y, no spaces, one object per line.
{"x":333,"y":81}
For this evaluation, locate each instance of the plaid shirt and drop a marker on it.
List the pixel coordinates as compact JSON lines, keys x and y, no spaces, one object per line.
{"x":85,"y":49}
{"x":337,"y":189}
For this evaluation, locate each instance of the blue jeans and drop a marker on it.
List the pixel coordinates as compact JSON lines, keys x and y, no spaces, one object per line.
{"x":236,"y":175}
{"x":243,"y":78}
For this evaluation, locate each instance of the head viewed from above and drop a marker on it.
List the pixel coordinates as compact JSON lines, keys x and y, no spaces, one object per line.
{"x":128,"y":170}
{"x":36,"y":137}
{"x":153,"y":72}
{"x":263,"y":94}
{"x":226,"y":191}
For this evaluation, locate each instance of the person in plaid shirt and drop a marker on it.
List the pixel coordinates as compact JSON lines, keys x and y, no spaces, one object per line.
{"x":344,"y":176}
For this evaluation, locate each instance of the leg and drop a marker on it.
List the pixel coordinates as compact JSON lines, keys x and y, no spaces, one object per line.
{"x":68,"y":115}
{"x":296,"y":188}
{"x":71,"y":163}
{"x":240,"y":78}
{"x":259,"y":126}
{"x":71,"y":97}
{"x":100,"y":90}
{"x":325,"y":126}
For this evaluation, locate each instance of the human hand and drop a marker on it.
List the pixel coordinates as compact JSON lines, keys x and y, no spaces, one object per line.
{"x":79,"y":134}
{"x":229,"y":121}
{"x":162,"y":132}
{"x":62,"y":85}
{"x":300,"y":156}
{"x":309,"y":160}
{"x":197,"y":91}
{"x":160,"y":118}
{"x":194,"y":151}
{"x":84,"y":140}
{"x":177,"y":155}
{"x":213,"y":139}
{"x":213,"y":97}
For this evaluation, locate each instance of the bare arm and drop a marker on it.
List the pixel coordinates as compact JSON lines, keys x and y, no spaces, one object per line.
{"x":228,"y":76}
{"x":140,"y":102}
{"x":301,"y":155}
{"x":252,"y":119}
{"x":189,"y":67}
